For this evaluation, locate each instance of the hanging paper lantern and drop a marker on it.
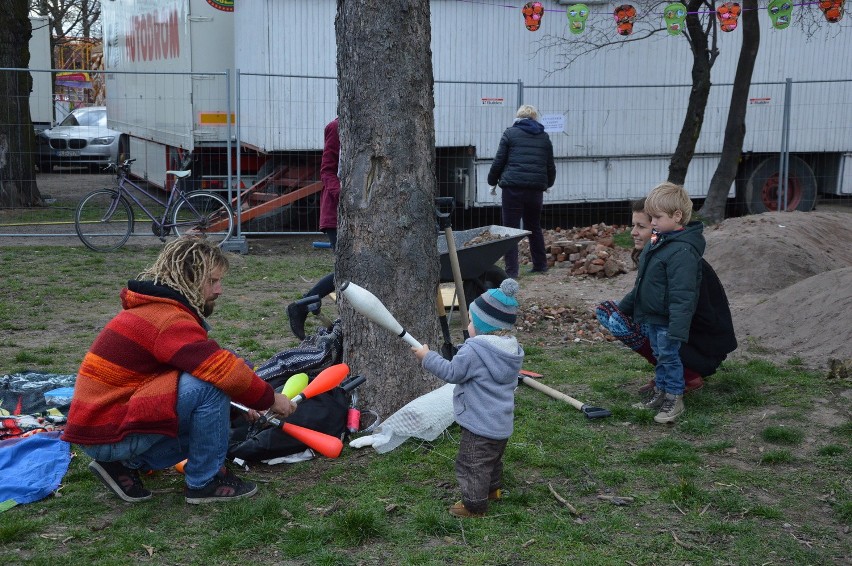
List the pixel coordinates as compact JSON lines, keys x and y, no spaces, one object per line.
{"x":674,"y":15}
{"x":532,"y":11}
{"x":625,"y":15}
{"x":577,"y":16}
{"x":728,"y":14}
{"x":780,"y":12}
{"x":832,"y":9}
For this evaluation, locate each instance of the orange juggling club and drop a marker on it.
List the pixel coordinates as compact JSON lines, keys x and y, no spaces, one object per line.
{"x":327,"y":445}
{"x":328,"y":379}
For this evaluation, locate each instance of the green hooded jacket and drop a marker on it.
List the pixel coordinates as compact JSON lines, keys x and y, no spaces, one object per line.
{"x":666,"y":287}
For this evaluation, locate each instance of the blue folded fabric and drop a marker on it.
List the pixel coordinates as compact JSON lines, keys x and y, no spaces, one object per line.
{"x":32,"y":468}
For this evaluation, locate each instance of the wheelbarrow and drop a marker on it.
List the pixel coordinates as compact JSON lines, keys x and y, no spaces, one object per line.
{"x":467,"y":258}
{"x":478,"y":249}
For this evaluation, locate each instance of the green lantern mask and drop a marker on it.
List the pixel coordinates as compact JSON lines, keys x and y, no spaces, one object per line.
{"x":675,"y":15}
{"x":780,"y":12}
{"x":577,"y":16}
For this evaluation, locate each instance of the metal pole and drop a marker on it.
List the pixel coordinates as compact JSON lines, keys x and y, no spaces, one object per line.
{"x":237,"y":242}
{"x":520,"y":93}
{"x":785,"y":146}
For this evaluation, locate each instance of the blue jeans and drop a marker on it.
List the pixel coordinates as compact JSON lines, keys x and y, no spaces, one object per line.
{"x":526,"y":205}
{"x":204,"y":427}
{"x":668,"y":373}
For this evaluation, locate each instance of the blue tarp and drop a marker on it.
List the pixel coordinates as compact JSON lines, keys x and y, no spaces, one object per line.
{"x":32,"y":468}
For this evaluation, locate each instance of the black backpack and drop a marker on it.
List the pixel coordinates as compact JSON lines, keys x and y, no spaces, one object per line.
{"x":324,"y":413}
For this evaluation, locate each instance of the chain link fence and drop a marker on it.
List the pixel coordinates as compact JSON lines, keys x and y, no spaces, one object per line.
{"x":257,"y":138}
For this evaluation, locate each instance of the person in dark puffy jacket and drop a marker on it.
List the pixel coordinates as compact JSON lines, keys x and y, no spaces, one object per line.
{"x":524,"y":169}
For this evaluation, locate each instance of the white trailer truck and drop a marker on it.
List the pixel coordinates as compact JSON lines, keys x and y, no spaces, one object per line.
{"x":614,"y":117}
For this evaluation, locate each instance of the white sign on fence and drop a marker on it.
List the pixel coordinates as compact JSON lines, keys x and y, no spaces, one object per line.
{"x":553,"y":123}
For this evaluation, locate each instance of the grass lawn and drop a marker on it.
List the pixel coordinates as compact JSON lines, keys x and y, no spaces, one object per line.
{"x":756,"y":472}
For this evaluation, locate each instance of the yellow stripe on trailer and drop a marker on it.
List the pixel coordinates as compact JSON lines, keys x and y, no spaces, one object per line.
{"x":214,"y":118}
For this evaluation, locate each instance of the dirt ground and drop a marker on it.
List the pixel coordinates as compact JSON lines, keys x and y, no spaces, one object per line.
{"x":788,"y":278}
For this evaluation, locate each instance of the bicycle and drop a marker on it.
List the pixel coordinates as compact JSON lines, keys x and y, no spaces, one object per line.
{"x":104,"y":219}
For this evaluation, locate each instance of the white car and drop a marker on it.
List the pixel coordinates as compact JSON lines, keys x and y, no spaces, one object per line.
{"x":81,"y":138}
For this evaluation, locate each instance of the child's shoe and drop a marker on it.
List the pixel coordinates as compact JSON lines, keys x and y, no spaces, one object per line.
{"x":671,"y":409}
{"x":496,"y":495}
{"x":459,"y":510}
{"x":654,"y":401}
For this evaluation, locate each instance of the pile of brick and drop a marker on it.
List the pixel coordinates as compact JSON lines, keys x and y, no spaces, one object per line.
{"x":589,"y":250}
{"x":562,"y":324}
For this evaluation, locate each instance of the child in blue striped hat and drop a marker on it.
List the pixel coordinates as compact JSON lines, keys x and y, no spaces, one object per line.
{"x":485,"y":371}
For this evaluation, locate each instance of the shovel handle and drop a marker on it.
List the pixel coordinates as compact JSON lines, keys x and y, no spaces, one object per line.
{"x":550,"y":392}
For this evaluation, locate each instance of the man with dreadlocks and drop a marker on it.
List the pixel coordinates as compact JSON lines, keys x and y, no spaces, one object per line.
{"x":154,"y":390}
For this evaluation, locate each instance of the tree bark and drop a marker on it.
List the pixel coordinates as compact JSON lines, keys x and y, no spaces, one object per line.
{"x":386,"y":221}
{"x":702,"y":62}
{"x":732,"y":145}
{"x":17,"y":137}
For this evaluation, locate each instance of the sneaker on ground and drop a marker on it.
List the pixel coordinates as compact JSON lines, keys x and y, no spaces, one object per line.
{"x":124,"y":482}
{"x":654,"y":401}
{"x":224,"y":486}
{"x":459,"y":510}
{"x":671,"y":409}
{"x":497,"y":494}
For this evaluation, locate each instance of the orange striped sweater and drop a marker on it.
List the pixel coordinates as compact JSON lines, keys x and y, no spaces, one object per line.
{"x":127,"y":383}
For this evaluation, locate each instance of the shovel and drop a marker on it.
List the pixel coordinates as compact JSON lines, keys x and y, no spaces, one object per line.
{"x":447,"y":348}
{"x":446,"y":224}
{"x":589,"y":411}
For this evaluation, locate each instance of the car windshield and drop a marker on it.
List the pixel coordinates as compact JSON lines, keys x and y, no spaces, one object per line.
{"x":85,"y":118}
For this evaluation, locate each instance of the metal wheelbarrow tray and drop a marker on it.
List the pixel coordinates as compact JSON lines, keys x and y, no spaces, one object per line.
{"x":476,"y":257}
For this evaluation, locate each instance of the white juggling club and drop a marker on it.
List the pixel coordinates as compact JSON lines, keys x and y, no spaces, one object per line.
{"x":371,"y":307}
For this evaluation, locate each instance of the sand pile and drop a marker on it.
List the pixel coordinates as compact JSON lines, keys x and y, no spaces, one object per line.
{"x":788,"y":277}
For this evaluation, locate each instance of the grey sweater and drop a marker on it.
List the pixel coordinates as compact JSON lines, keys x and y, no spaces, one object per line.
{"x":485,"y":371}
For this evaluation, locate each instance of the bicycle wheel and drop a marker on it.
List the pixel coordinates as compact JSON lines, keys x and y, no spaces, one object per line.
{"x":103,"y":220}
{"x":205,"y":214}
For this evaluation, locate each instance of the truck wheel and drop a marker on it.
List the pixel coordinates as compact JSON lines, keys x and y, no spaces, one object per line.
{"x":764,"y":183}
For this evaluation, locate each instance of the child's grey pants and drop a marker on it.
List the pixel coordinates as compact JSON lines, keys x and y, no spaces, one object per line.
{"x":479,"y":469}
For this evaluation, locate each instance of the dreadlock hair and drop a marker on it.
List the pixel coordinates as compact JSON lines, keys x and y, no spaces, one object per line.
{"x":185,"y":264}
{"x":637,"y":206}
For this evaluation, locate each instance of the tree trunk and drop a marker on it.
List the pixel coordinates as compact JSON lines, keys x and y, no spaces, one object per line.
{"x":386,"y":221}
{"x":17,"y":138}
{"x":702,"y":63}
{"x":732,"y":146}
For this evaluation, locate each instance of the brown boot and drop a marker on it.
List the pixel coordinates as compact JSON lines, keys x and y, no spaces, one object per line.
{"x":459,"y":510}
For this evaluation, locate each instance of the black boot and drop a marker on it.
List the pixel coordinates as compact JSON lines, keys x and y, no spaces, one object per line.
{"x":297,"y":314}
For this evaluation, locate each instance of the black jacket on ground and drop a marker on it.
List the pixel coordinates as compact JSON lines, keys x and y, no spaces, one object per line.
{"x":524,"y":159}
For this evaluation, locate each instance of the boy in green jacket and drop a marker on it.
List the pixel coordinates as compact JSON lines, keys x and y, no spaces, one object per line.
{"x":666,"y":292}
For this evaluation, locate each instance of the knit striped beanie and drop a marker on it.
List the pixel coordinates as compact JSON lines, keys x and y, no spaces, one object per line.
{"x":496,"y":308}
